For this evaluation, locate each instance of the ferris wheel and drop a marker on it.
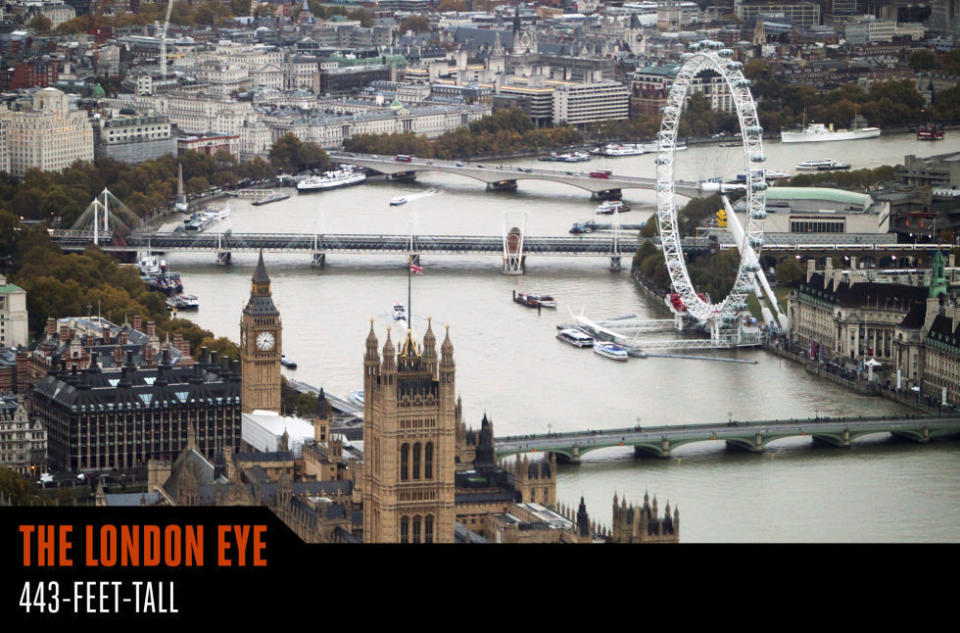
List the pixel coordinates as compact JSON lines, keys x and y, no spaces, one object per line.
{"x":708,"y":54}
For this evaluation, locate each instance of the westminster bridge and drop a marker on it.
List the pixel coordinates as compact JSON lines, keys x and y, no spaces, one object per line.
{"x":660,"y":441}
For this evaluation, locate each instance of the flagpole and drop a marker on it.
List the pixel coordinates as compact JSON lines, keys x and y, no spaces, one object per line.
{"x":409,"y":294}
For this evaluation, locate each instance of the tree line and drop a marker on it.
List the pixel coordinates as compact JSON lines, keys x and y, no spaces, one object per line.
{"x":505,"y":132}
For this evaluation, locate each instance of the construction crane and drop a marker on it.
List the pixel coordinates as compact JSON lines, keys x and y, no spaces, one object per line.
{"x":163,"y":42}
{"x":98,"y":31}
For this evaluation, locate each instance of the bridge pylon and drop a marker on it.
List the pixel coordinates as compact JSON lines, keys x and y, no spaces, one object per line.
{"x":319,"y":257}
{"x":514,"y":261}
{"x":223,"y":255}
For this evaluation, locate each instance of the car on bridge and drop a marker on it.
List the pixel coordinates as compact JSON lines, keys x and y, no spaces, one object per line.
{"x":403,"y":158}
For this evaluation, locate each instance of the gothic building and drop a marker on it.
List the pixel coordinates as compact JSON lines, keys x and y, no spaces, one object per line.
{"x":260,"y":346}
{"x":409,"y":441}
{"x":632,"y":524}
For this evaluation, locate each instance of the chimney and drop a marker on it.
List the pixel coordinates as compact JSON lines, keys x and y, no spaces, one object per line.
{"x":151,"y":329}
{"x":118,"y":356}
{"x":137,"y":322}
{"x":106,"y":335}
{"x":51,"y":326}
{"x":811,"y":269}
{"x":64,"y":333}
{"x":148,"y":355}
{"x":213,"y":358}
{"x":123,"y":338}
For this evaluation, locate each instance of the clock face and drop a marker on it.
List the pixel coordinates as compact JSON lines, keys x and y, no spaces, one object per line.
{"x":265,"y":341}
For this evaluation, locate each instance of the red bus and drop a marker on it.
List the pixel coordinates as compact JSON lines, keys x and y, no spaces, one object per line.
{"x":601,"y":173}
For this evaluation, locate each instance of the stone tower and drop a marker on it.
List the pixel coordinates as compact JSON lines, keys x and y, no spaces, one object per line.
{"x":409,"y":441}
{"x":260,"y":345}
{"x":938,"y":277}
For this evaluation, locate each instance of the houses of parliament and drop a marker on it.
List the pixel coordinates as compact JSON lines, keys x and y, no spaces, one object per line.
{"x":421,"y":476}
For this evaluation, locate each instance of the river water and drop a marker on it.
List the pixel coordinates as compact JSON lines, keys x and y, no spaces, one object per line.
{"x":510,"y":366}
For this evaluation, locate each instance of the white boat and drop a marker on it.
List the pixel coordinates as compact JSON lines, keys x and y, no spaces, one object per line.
{"x":654,"y":147}
{"x":818,"y":133}
{"x":616,"y":149}
{"x":396,"y":202}
{"x":183,"y":302}
{"x":575,"y":337}
{"x":286,"y":362}
{"x":344,"y":177}
{"x":356,"y":397}
{"x":611,"y":351}
{"x":216,"y":213}
{"x":150,"y":265}
{"x":399,"y":312}
{"x":824,"y":164}
{"x":609,"y":207}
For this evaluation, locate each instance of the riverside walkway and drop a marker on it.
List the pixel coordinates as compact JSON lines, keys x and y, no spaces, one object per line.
{"x":659,"y":441}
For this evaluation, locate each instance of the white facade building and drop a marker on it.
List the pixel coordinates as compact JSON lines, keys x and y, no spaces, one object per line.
{"x":578,"y":104}
{"x":46,"y":133}
{"x":13,"y":314}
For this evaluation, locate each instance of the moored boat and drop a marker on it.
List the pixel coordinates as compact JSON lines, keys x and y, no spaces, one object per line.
{"x":286,"y":362}
{"x":609,"y":207}
{"x":276,"y":197}
{"x":819,"y":133}
{"x":930,"y":133}
{"x":396,"y":202}
{"x":545,"y":301}
{"x":575,"y":337}
{"x":399,"y":312}
{"x":611,"y":351}
{"x":344,"y":177}
{"x":824,"y":164}
{"x":183,"y":302}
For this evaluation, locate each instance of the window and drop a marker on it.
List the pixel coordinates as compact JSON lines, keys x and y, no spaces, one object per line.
{"x":416,"y":528}
{"x":404,"y":459}
{"x":428,"y":528}
{"x":404,"y":529}
{"x":428,"y":461}
{"x":416,"y":460}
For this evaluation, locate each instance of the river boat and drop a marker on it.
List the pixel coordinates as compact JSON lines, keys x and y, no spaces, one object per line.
{"x":575,"y":337}
{"x":183,"y":302}
{"x":570,"y":157}
{"x":611,"y":351}
{"x":769,"y":174}
{"x":399,"y":200}
{"x":346,"y":176}
{"x":286,"y":362}
{"x":929,"y":133}
{"x":399,"y":312}
{"x":150,"y":265}
{"x":655,"y":147}
{"x":545,"y":301}
{"x":525,"y":299}
{"x":276,"y":197}
{"x":820,"y":133}
{"x":824,"y":164}
{"x":609,"y":207}
{"x":356,"y":397}
{"x":167,"y":283}
{"x":617,"y":149}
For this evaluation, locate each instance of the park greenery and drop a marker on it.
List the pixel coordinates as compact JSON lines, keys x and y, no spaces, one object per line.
{"x":864,"y":179}
{"x":505,"y":132}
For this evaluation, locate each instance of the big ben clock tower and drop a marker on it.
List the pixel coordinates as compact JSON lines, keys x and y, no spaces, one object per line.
{"x":260,"y":332}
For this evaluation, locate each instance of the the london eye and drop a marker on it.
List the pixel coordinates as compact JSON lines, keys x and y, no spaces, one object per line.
{"x":710,"y":55}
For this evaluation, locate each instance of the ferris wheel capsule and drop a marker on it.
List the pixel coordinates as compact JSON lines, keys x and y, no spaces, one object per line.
{"x":734,"y":65}
{"x":759,"y":186}
{"x":751,"y":267}
{"x":754,"y":129}
{"x":725,"y":52}
{"x":756,"y":241}
{"x":758,"y":158}
{"x":758,"y":214}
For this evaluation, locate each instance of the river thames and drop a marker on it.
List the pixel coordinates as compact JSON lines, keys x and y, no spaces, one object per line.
{"x":510,"y":366}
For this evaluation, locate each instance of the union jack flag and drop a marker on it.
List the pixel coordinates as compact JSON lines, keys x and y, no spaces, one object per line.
{"x":415,"y":268}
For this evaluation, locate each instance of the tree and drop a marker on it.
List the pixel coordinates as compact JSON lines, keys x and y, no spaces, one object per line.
{"x":16,"y":487}
{"x":451,"y":5}
{"x":40,"y":24}
{"x":415,"y":23}
{"x":922,"y":59}
{"x":789,"y":271}
{"x":362,"y":16}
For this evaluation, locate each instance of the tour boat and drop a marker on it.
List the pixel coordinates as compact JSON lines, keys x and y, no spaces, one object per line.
{"x":928,"y":133}
{"x":150,"y":265}
{"x":399,"y":312}
{"x":545,"y":301}
{"x":167,"y":283}
{"x":396,"y":202}
{"x":611,"y":351}
{"x":570,"y":157}
{"x":575,"y":337}
{"x":525,"y":299}
{"x":616,"y":149}
{"x":286,"y":362}
{"x":655,"y":147}
{"x":356,"y":397}
{"x":344,"y":177}
{"x":609,"y":207}
{"x":274,"y":197}
{"x":818,"y":133}
{"x":825,"y":164}
{"x":183,"y":302}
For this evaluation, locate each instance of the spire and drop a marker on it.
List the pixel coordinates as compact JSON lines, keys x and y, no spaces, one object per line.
{"x":447,"y":348}
{"x":260,"y":275}
{"x":389,"y":353}
{"x":430,"y":347}
{"x":372,"y":344}
{"x":408,"y":349}
{"x":322,"y":410}
{"x":583,"y":520}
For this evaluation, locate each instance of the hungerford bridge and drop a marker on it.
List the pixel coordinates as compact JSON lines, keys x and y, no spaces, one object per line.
{"x":659,"y":441}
